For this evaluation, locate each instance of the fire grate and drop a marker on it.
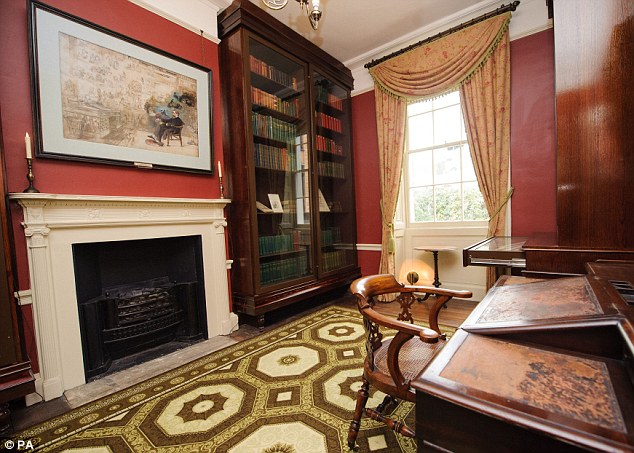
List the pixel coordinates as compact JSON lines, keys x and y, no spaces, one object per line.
{"x":132,"y":318}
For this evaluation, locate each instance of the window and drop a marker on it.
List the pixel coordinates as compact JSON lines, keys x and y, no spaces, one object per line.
{"x":440,"y":178}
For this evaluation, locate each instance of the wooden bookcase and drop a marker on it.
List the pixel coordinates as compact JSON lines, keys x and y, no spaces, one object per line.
{"x":287,"y":145}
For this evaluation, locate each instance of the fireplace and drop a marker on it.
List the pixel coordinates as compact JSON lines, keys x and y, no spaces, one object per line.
{"x":56,"y":225}
{"x":135,"y":295}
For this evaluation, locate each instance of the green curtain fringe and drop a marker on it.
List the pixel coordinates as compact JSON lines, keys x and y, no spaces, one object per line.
{"x":412,"y":99}
{"x":489,"y":52}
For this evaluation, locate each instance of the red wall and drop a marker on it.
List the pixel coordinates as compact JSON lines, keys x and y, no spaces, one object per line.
{"x":366,"y":170}
{"x":533,"y":163}
{"x":56,"y":176}
{"x":533,"y":155}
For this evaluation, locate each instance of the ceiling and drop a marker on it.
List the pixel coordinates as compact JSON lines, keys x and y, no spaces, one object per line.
{"x":350,"y":30}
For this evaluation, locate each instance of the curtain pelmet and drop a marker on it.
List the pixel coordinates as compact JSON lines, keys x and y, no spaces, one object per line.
{"x":443,"y":65}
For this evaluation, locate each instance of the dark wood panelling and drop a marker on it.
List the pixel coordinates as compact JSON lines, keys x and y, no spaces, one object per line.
{"x":594,"y":62}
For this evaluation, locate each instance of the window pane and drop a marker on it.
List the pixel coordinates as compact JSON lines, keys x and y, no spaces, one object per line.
{"x":421,"y":204}
{"x":419,"y":107}
{"x":441,"y":181}
{"x":448,"y":202}
{"x":420,"y":130}
{"x":447,"y":165}
{"x":420,"y":169}
{"x":474,"y":208}
{"x":447,"y":125}
{"x":468,"y":172}
{"x":448,"y":99}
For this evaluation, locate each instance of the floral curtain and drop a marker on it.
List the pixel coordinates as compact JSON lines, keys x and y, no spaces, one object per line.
{"x":486,"y":109}
{"x":474,"y":59}
{"x":391,"y":136}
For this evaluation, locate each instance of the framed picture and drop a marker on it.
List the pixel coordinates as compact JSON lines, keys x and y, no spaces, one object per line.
{"x":102,"y":97}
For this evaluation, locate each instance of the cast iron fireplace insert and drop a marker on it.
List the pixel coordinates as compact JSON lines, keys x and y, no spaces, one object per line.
{"x":136,"y":295}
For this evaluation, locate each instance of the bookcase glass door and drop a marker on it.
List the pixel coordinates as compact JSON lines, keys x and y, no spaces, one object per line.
{"x":281,"y":164}
{"x":334,"y":174}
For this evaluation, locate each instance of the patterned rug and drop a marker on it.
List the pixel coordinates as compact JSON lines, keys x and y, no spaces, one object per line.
{"x":290,"y":390}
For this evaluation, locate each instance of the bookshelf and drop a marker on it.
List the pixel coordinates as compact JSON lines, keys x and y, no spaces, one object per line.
{"x":287,"y":143}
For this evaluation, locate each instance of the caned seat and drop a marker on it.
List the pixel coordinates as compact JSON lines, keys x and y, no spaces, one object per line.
{"x":396,"y":357}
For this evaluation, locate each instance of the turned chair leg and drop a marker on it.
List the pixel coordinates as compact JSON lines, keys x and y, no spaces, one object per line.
{"x":385,"y":403}
{"x":355,"y":424}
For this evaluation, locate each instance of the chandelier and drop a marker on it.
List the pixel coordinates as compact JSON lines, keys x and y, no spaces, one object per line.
{"x":313,"y":12}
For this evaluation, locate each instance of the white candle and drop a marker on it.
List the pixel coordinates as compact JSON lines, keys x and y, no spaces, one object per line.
{"x":27,"y":142}
{"x":219,"y":170}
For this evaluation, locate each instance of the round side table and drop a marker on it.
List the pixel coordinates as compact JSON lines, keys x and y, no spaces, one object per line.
{"x":435,"y":249}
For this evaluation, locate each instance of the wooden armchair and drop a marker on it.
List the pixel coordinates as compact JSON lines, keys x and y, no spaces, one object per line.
{"x":393,"y":362}
{"x":174,"y":133}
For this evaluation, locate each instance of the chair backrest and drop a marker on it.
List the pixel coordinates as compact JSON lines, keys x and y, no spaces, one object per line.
{"x":385,"y":289}
{"x":374,"y":285}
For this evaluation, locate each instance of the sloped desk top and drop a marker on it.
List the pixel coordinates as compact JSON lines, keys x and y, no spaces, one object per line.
{"x":541,"y":364}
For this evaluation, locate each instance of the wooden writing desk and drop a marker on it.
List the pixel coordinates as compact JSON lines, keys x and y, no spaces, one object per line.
{"x":540,"y":365}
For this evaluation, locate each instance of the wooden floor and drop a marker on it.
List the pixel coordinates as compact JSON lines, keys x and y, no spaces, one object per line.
{"x":22,"y":417}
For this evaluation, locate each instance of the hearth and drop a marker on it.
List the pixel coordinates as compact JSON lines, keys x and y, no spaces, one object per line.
{"x":135,"y":295}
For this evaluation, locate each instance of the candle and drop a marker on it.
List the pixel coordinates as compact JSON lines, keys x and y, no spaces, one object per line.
{"x":219,"y":170}
{"x":27,"y":142}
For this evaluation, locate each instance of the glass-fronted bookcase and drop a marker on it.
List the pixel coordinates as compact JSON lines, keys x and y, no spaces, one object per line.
{"x":286,"y":108}
{"x":334,"y":175}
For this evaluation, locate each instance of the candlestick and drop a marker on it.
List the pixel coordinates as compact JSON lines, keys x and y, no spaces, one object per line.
{"x":222,"y":188}
{"x":30,"y":176}
{"x":219,"y":170}
{"x":27,"y":143}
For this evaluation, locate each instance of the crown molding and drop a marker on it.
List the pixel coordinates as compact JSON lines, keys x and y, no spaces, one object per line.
{"x":199,"y":16}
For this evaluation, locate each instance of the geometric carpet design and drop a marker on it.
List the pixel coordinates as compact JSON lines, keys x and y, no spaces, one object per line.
{"x":290,"y":390}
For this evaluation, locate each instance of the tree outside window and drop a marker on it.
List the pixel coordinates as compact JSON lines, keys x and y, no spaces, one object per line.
{"x":441,"y":181}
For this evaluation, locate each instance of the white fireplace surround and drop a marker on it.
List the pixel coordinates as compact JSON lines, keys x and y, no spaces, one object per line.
{"x":54,"y":222}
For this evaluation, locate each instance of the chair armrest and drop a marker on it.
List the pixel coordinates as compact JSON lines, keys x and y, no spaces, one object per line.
{"x":426,"y":334}
{"x":462,"y":294}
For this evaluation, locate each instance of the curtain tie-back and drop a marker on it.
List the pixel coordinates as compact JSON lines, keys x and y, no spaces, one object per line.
{"x":391,"y":242}
{"x":509,"y":194}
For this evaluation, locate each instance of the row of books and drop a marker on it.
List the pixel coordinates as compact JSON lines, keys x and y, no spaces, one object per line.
{"x":327,"y":145}
{"x":278,"y":271}
{"x":270,"y":101}
{"x":271,"y":72}
{"x":330,"y":236}
{"x":329,"y":122}
{"x":334,"y":260}
{"x":328,"y":98}
{"x":273,"y":128}
{"x":278,"y":244}
{"x":272,"y":157}
{"x":332,"y":169}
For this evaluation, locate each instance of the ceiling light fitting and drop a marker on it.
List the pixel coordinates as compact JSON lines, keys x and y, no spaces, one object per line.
{"x":312,"y":11}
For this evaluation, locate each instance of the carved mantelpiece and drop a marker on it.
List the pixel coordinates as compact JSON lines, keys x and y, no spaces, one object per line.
{"x":54,"y":222}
